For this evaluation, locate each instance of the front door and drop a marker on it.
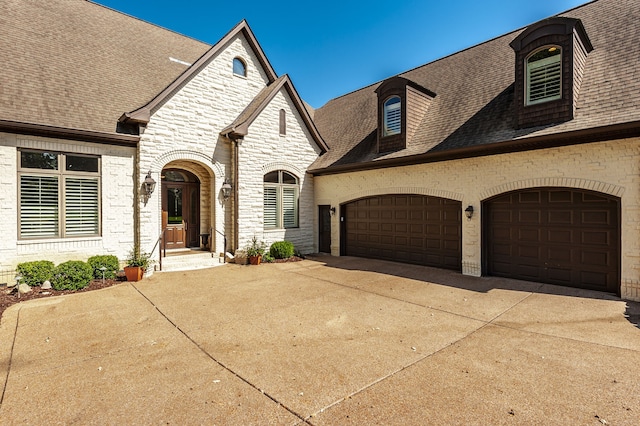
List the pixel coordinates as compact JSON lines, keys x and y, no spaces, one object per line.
{"x":181,"y":213}
{"x":324,"y":237}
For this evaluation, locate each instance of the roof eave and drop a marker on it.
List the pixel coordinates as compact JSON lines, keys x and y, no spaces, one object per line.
{"x":44,"y":130}
{"x":596,"y":134}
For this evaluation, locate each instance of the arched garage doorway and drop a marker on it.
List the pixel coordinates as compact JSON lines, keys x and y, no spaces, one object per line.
{"x":417,"y":229}
{"x":562,"y":236}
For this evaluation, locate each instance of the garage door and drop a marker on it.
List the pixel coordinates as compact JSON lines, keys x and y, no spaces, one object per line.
{"x":404,"y":228}
{"x":554,"y":235}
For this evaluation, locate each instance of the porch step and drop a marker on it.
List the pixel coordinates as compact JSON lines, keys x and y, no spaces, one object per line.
{"x":188,"y":261}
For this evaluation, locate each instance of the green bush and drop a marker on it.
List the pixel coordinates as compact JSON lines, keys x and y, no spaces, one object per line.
{"x":35,"y":273}
{"x":109,"y":261}
{"x":281,"y":249}
{"x":267,"y":258}
{"x":72,"y":275}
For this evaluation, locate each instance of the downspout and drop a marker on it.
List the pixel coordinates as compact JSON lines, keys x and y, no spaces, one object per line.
{"x":236,"y":184}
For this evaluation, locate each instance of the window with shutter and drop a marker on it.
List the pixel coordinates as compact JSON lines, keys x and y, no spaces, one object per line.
{"x":59,"y":195}
{"x":544,"y":75}
{"x":39,"y":207}
{"x":81,"y":206}
{"x":281,"y":195}
{"x":392,"y":116}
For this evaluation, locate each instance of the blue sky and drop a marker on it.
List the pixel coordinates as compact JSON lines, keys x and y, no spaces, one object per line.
{"x":333,"y":47}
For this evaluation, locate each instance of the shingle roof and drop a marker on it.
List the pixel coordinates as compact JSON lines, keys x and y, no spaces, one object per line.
{"x":474,"y":102}
{"x":77,"y":64}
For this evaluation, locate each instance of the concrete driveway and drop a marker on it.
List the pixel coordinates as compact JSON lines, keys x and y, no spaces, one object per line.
{"x":327,"y":341}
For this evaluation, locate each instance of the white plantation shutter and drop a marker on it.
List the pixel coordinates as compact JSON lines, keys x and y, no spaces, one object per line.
{"x":543,"y":79}
{"x":392,"y":116}
{"x":270,"y":207}
{"x":81,"y":206}
{"x":290,"y":206}
{"x":39,"y":206}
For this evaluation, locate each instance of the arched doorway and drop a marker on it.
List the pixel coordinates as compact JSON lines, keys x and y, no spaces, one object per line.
{"x":180,"y":208}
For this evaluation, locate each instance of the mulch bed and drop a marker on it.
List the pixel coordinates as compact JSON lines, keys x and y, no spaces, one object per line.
{"x":7,"y":300}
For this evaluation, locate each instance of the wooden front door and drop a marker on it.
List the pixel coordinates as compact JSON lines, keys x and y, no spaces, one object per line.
{"x":181,"y":214}
{"x":324,"y":237}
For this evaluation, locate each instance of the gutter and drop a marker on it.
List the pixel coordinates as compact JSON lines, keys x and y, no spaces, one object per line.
{"x":45,"y":130}
{"x":596,"y":134}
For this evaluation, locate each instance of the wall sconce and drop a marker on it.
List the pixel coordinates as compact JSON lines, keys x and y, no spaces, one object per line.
{"x":149,"y":185}
{"x":332,"y":210}
{"x":469,"y":212}
{"x":226,"y":190}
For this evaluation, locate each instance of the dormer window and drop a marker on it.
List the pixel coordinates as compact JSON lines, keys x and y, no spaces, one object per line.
{"x":401,"y":106}
{"x":550,"y":60}
{"x":239,"y":67}
{"x":392,"y":116}
{"x":544,"y":76}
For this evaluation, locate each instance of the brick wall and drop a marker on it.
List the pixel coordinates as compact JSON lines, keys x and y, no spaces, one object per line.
{"x":608,"y":167}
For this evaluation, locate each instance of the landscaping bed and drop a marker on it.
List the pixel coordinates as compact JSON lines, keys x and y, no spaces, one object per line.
{"x":7,"y":300}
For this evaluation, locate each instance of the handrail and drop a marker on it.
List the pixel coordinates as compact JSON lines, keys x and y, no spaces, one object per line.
{"x":225,"y":241}
{"x":164,"y":246}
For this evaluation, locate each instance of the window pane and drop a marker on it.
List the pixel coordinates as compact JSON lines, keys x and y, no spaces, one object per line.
{"x":174,"y":205}
{"x":289,"y":178}
{"x":39,"y":160}
{"x":82,"y":164}
{"x":392,"y":116}
{"x":290,"y":207}
{"x":81,"y":206}
{"x":544,"y":74}
{"x":38,"y":206}
{"x":239,"y":68}
{"x":271,"y":177}
{"x":270,"y":208}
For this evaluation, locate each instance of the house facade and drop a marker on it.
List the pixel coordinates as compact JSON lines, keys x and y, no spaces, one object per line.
{"x":516,"y":158}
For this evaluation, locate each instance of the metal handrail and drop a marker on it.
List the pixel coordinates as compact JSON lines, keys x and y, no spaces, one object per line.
{"x":162,"y":238}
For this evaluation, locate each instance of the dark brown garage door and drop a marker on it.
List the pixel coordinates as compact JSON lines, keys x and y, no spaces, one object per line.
{"x":404,"y":228}
{"x":560,"y":236}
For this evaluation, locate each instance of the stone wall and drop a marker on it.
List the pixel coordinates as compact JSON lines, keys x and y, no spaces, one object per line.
{"x":117,"y":200}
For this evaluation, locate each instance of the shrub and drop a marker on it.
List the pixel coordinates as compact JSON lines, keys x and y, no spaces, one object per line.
{"x":35,"y":273}
{"x":72,"y":275}
{"x":108,"y":261}
{"x":281,"y":249}
{"x":267,"y":258}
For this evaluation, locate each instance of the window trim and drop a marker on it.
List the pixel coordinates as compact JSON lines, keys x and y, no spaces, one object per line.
{"x":280,"y":189}
{"x":242,"y":62}
{"x":63,"y":177}
{"x":552,"y":60}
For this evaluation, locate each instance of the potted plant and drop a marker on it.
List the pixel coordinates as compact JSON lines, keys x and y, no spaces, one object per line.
{"x":255,"y":250}
{"x":137,"y":264}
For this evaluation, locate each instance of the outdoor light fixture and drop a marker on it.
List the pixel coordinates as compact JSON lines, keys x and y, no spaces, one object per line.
{"x":332,"y":210}
{"x":226,"y":190}
{"x":149,"y":185}
{"x":469,"y":212}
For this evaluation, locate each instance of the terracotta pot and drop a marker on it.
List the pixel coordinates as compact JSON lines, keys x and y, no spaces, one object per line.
{"x":134,"y":273}
{"x":255,"y":260}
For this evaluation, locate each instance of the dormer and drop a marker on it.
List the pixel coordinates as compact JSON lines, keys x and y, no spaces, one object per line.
{"x":550,"y":58}
{"x":402,"y":105}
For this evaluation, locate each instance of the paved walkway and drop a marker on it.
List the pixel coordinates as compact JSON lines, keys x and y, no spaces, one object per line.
{"x":330,"y":341}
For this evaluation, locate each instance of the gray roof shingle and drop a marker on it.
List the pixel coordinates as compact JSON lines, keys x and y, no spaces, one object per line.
{"x":77,"y":64}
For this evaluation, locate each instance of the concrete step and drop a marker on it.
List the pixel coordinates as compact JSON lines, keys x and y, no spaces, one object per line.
{"x":188,"y":261}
